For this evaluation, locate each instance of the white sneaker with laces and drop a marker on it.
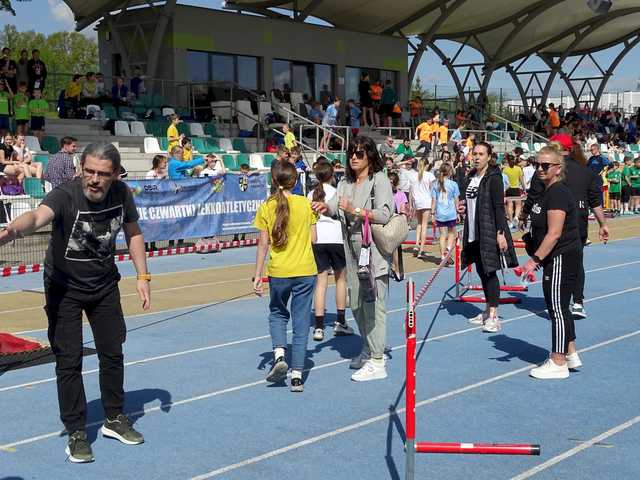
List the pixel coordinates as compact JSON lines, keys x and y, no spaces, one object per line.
{"x":478,"y":319}
{"x":578,"y":311}
{"x":358,"y":362}
{"x":491,"y":325}
{"x":573,"y":360}
{"x":371,"y":370}
{"x":550,"y":370}
{"x":318,"y":334}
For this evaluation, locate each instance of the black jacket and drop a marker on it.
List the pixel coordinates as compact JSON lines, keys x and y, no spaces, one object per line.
{"x":585,"y":186}
{"x":489,"y":219}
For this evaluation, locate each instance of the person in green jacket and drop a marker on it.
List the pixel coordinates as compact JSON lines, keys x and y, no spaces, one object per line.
{"x":5,"y":101}
{"x":38,"y":108}
{"x":405,"y":149}
{"x":614,"y":176}
{"x":634,"y":176}
{"x":21,"y":109}
{"x":627,"y":190}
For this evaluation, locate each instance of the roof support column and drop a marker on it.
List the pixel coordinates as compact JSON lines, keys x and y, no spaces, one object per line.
{"x":156,"y":42}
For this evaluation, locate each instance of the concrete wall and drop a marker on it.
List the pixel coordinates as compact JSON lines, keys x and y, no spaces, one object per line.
{"x":195,"y":28}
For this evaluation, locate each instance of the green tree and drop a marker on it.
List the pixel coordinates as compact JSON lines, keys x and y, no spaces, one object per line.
{"x":64,"y":53}
{"x":417,"y":90}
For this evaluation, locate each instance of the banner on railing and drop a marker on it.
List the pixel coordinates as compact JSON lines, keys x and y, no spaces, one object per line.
{"x":198,"y":207}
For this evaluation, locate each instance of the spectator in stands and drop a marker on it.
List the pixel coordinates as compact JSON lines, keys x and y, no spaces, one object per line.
{"x":25,"y":158}
{"x":119,"y":94}
{"x":159,"y":168}
{"x":338,"y":170}
{"x":9,"y":165}
{"x":8,"y":69}
{"x":554,"y":119}
{"x":492,"y":123}
{"x":173,"y":137}
{"x":456,"y":138}
{"x":295,"y":158}
{"x":445,"y":157}
{"x":5,"y":101}
{"x":614,"y":177}
{"x":376,"y":95}
{"x":364,"y":92}
{"x":329,"y":121}
{"x":72,"y":94}
{"x":405,"y":150}
{"x":38,"y":108}
{"x":387,"y":148}
{"x":177,"y":168}
{"x":425,"y":132}
{"x":415,"y":111}
{"x":315,"y":113}
{"x":187,"y":149}
{"x":443,"y":136}
{"x":137,"y":82}
{"x":597,"y":161}
{"x":61,"y":167}
{"x":89,"y":95}
{"x":22,"y":66}
{"x":289,"y":137}
{"x":101,"y":90}
{"x":354,"y":117}
{"x":387,"y":102}
{"x":37,"y":71}
{"x":21,"y":109}
{"x":214,"y":166}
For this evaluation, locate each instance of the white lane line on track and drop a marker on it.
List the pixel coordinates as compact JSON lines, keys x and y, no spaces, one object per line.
{"x":368,"y":421}
{"x":575,"y":450}
{"x":10,"y":446}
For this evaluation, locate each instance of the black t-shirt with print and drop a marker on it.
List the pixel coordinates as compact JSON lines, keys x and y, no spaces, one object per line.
{"x":80,"y":256}
{"x":556,"y":197}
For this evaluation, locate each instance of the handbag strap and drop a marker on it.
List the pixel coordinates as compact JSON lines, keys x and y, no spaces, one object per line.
{"x":366,"y":232}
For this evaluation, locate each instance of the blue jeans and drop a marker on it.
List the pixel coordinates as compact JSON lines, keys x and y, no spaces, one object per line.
{"x":300,"y":289}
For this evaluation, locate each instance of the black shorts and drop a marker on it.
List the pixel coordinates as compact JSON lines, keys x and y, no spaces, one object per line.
{"x":329,"y":255}
{"x":386,"y":110}
{"x":627,"y":191}
{"x":614,"y":195}
{"x":513,"y":192}
{"x":37,"y":123}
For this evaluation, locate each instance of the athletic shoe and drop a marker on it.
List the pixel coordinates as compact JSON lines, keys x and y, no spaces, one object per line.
{"x":78,"y":448}
{"x":370,"y":371}
{"x":120,"y":428}
{"x":341,"y":330}
{"x":478,"y":319}
{"x":278,"y":371}
{"x":587,"y":243}
{"x":358,"y":362}
{"x":578,"y":311}
{"x":573,"y":360}
{"x":549,"y":370}
{"x":318,"y":334}
{"x":297,"y":385}
{"x":491,"y":325}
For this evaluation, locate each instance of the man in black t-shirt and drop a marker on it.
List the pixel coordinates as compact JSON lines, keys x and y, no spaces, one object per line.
{"x":80,"y":275}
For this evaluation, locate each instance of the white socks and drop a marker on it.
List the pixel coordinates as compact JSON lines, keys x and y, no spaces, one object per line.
{"x":278,"y":352}
{"x":296,"y":374}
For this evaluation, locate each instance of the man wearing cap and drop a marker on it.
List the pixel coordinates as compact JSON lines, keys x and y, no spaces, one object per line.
{"x":585,"y":186}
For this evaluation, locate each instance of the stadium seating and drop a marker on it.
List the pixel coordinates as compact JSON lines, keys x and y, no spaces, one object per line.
{"x":51,"y":144}
{"x":255,"y":161}
{"x":239,"y":145}
{"x":246,"y":118}
{"x":230,"y":162}
{"x":222,"y":110}
{"x":43,"y":159}
{"x":33,"y":144}
{"x":109,"y":111}
{"x":121,"y":129}
{"x":33,"y":187}
{"x":267,"y":159}
{"x":196,"y":130}
{"x":226,"y":145}
{"x":167,"y":111}
{"x":296,"y":100}
{"x":151,"y":145}
{"x":164,"y":143}
{"x":243,"y":158}
{"x":138,"y":130}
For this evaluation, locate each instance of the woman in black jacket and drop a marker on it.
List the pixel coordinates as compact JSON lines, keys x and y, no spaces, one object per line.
{"x":486,"y":240}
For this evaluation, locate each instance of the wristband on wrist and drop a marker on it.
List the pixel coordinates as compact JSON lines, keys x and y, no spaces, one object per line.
{"x":536,"y":259}
{"x":144,"y":276}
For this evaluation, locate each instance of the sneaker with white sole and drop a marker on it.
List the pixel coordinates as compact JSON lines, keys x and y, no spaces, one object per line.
{"x":358,"y":362}
{"x":340,"y":330}
{"x":478,"y":319}
{"x":278,"y":371}
{"x":578,"y":311}
{"x":371,"y":370}
{"x":120,"y":428}
{"x":78,"y":448}
{"x":318,"y":334}
{"x":297,"y":385}
{"x":491,"y":325}
{"x":550,"y":370}
{"x":573,"y":360}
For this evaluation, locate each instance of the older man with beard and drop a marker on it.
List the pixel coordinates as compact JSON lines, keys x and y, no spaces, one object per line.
{"x":80,"y":275}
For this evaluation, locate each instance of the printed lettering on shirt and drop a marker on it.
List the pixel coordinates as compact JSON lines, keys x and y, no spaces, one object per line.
{"x":472,"y":192}
{"x":536,"y":209}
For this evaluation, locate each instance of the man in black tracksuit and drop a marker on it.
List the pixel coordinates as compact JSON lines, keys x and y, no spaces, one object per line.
{"x":585,"y":187}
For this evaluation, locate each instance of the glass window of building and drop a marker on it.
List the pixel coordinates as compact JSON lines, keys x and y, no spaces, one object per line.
{"x":247,"y":72}
{"x":281,"y":73}
{"x":222,"y":68}
{"x":323,"y":82}
{"x":198,"y":66}
{"x":313,"y":79}
{"x":354,"y":74}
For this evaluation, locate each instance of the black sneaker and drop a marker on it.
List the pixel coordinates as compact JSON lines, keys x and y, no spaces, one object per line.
{"x":297,"y":385}
{"x":78,"y":448}
{"x":278,"y":371}
{"x":120,"y":428}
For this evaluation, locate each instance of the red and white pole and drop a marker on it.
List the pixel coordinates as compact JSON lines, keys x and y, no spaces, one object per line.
{"x":478,"y":448}
{"x":410,"y":387}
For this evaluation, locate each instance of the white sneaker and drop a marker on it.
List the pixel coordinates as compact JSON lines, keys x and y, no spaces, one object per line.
{"x":318,"y":334}
{"x":491,"y":325}
{"x":549,"y":370}
{"x":478,"y":319}
{"x":370,"y":371}
{"x":358,"y":362}
{"x":578,"y":311}
{"x":341,"y":330}
{"x":573,"y":360}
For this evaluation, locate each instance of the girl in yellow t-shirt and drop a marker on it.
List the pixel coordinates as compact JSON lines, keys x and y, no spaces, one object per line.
{"x":515,"y":174}
{"x":287,"y":229}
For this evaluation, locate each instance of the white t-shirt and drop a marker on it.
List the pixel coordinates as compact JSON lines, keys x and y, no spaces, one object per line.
{"x":529,"y":171}
{"x":421,"y":189}
{"x":153,"y":175}
{"x":404,"y":185}
{"x":328,"y":229}
{"x":472,"y":195}
{"x":212,"y":172}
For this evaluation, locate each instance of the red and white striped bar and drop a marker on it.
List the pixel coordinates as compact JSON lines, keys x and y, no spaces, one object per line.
{"x":478,"y":448}
{"x":21,"y":270}
{"x":503,"y":288}
{"x":471,"y":299}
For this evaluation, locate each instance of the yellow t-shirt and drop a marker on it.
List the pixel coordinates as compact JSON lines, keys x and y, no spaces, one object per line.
{"x":172,"y":131}
{"x":73,"y":90}
{"x":425,"y":131}
{"x":296,"y":258}
{"x":514,"y":175}
{"x":443,"y":134}
{"x":289,"y":140}
{"x":187,"y":153}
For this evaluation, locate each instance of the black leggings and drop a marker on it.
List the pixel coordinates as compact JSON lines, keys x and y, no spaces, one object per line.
{"x":64,"y":312}
{"x":558,"y":282}
{"x":490,"y":282}
{"x":578,"y":290}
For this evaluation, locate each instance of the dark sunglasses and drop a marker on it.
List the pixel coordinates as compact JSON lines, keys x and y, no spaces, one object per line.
{"x":545,"y":166}
{"x":359,"y":154}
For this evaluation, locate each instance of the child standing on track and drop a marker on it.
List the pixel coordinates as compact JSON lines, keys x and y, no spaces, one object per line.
{"x":329,"y":254}
{"x":287,"y":225}
{"x":614,"y":176}
{"x":445,"y":207}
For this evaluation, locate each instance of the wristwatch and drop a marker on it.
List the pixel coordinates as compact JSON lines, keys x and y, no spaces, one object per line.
{"x":357,"y":211}
{"x":144,"y":276}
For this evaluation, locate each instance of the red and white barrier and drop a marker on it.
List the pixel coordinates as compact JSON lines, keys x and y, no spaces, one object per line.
{"x":411,"y":445}
{"x":162,"y":252}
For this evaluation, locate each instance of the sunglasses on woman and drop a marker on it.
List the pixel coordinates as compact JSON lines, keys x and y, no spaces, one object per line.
{"x":359,"y":154}
{"x":545,"y":166}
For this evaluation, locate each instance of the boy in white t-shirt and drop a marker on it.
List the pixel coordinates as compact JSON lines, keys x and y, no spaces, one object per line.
{"x":214,"y":167}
